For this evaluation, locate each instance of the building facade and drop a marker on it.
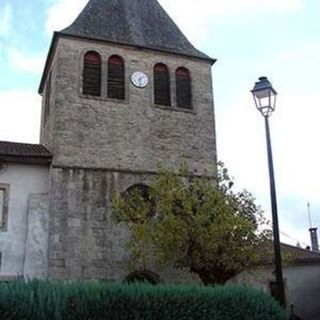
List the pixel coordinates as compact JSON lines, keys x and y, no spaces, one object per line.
{"x":123,"y":90}
{"x":301,"y":276}
{"x":24,"y":213}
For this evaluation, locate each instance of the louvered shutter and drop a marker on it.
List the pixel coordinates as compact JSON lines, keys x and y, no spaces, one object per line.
{"x":161,"y":85}
{"x":92,"y":74}
{"x":116,"y":81}
{"x":183,"y":85}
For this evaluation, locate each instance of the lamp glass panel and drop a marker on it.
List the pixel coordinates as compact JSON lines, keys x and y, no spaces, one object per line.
{"x":260,"y":94}
{"x":264,"y":102}
{"x":273,"y":100}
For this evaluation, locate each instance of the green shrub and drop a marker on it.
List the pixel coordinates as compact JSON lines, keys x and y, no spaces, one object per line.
{"x":96,"y":301}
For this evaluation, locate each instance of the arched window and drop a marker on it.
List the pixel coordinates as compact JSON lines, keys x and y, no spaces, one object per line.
{"x":140,"y":195}
{"x":183,"y":85}
{"x":92,"y":74}
{"x":116,"y":84}
{"x":161,"y":85}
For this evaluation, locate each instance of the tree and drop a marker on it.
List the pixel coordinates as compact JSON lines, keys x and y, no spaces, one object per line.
{"x":191,"y":222}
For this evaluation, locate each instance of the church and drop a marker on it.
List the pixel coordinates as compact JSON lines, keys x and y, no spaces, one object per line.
{"x":122,"y":91}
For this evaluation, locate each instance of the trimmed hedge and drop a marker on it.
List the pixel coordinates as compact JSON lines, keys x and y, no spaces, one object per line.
{"x":96,"y":301}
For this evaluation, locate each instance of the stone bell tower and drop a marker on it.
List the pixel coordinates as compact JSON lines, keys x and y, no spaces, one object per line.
{"x":123,"y":89}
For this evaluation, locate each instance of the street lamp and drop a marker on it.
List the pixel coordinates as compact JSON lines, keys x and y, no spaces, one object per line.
{"x":265,"y":99}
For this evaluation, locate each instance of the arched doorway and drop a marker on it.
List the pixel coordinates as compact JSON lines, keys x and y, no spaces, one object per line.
{"x":144,"y":276}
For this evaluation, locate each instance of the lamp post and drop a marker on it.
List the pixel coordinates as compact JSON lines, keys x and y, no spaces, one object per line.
{"x":265,"y":99}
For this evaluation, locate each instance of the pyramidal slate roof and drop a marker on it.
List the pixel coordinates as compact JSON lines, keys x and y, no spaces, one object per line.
{"x":141,"y":23}
{"x":137,"y":23}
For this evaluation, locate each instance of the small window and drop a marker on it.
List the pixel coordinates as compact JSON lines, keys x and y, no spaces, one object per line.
{"x":116,"y":83}
{"x":161,"y":85}
{"x":92,"y":74}
{"x":4,"y":206}
{"x":47,"y":98}
{"x":183,"y":85}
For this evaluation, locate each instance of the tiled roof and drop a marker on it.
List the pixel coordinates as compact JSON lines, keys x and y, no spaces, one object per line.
{"x":292,"y":254}
{"x":140,"y":23}
{"x":300,"y":255}
{"x":23,"y":152}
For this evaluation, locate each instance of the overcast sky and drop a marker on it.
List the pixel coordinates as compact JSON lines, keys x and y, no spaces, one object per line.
{"x":250,"y":38}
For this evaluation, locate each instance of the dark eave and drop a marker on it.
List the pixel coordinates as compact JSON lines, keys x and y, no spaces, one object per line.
{"x":48,"y":63}
{"x":25,"y":160}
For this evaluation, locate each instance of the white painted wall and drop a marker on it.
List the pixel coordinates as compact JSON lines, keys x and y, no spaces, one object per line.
{"x":303,"y":289}
{"x":302,"y":284}
{"x":25,"y":180}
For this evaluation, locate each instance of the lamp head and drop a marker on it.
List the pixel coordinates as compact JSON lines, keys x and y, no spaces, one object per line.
{"x":264,"y":96}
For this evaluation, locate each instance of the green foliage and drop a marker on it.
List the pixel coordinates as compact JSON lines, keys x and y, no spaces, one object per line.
{"x":100,"y":301}
{"x":197,"y":223}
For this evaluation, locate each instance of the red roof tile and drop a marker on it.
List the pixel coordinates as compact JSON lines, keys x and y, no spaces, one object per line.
{"x":24,"y":152}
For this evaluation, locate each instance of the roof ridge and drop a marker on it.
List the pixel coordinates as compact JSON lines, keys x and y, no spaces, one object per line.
{"x":25,"y":143}
{"x":300,"y":249}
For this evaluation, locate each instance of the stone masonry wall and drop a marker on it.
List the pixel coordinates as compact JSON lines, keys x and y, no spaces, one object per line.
{"x":102,"y":144}
{"x":133,"y":134}
{"x":37,"y":242}
{"x":84,"y":242}
{"x":47,"y":127}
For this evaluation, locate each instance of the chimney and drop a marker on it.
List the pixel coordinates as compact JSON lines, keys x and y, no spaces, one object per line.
{"x":314,"y":239}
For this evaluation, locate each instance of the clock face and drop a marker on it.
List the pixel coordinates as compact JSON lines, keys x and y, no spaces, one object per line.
{"x":139,"y":79}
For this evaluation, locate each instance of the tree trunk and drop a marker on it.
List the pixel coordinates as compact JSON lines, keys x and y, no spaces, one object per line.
{"x":214,"y":276}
